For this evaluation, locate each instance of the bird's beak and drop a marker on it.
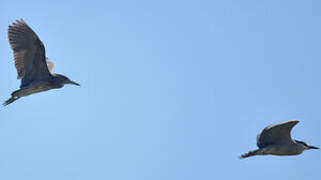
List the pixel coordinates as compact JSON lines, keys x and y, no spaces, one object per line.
{"x":313,"y":147}
{"x":74,"y":83}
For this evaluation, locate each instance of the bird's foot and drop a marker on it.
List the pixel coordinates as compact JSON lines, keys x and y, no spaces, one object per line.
{"x":11,"y":100}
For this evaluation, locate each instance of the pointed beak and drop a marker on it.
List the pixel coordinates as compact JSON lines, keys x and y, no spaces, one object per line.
{"x":74,"y":83}
{"x":313,"y":147}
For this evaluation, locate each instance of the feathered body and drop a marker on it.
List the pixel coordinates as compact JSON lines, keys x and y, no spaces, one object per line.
{"x":33,"y":68}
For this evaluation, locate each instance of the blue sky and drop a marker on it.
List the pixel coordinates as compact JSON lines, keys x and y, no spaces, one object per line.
{"x":170,"y":90}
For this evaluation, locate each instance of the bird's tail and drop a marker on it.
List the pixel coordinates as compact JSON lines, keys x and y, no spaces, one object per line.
{"x":11,"y":100}
{"x":250,"y":153}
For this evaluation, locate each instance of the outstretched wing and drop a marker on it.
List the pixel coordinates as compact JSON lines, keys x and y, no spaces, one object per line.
{"x":275,"y":134}
{"x":29,"y":53}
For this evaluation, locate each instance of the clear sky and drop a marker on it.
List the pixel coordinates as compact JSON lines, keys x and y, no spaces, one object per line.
{"x":170,"y":90}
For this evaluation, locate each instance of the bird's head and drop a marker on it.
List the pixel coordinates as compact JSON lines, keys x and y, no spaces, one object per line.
{"x":65,"y":80}
{"x":305,"y":145}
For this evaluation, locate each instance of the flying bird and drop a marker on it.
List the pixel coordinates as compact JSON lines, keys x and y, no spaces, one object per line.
{"x":276,"y":140}
{"x":33,"y":67}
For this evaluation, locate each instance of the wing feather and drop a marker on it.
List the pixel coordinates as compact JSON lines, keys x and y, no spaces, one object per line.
{"x":274,"y":134}
{"x":28,"y":52}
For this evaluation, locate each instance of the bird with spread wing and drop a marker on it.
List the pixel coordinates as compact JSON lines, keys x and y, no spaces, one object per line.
{"x":276,"y":140}
{"x":33,"y":67}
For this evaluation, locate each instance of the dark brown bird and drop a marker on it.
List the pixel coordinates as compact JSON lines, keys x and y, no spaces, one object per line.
{"x":34,"y":69}
{"x":276,"y":140}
